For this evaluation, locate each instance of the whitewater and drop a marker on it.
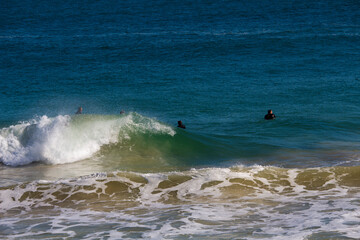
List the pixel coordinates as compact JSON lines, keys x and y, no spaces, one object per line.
{"x":65,"y":139}
{"x":217,"y":66}
{"x":75,"y":192}
{"x":268,"y":202}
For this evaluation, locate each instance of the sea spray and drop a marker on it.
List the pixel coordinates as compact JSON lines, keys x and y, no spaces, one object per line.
{"x":65,"y":139}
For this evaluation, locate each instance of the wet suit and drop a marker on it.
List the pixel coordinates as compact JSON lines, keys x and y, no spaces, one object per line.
{"x":270,"y":116}
{"x":181,"y":125}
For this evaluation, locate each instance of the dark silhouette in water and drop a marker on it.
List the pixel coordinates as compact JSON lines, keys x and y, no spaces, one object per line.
{"x":181,"y":125}
{"x":270,"y":115}
{"x":79,"y":111}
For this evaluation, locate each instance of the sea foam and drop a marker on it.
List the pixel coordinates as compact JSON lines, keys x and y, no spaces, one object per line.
{"x":65,"y":139}
{"x":312,"y":204}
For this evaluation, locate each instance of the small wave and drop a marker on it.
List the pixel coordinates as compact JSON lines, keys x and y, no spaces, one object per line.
{"x":268,"y":203}
{"x":195,"y":185}
{"x":65,"y":139}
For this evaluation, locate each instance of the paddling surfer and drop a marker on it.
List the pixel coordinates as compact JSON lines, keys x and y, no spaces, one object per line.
{"x":270,"y":115}
{"x":181,"y":125}
{"x":79,"y":111}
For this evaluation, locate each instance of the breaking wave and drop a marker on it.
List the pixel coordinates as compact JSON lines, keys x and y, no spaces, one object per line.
{"x":65,"y":139}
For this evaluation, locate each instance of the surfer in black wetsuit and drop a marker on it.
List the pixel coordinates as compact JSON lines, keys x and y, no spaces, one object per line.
{"x":181,"y":125}
{"x":270,"y":115}
{"x":79,"y":111}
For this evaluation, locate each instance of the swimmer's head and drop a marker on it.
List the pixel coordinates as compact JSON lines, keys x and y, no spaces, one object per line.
{"x":270,"y":111}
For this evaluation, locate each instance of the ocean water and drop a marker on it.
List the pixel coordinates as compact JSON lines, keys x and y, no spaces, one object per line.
{"x":217,"y":66}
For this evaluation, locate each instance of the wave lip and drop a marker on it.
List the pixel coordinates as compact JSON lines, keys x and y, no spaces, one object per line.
{"x":65,"y":139}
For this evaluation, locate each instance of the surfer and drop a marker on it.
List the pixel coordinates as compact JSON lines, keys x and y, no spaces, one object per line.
{"x":181,"y":125}
{"x":79,"y":111}
{"x":270,"y":115}
{"x":122,"y":112}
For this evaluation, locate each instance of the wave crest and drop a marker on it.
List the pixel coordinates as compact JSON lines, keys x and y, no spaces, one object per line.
{"x":65,"y":139}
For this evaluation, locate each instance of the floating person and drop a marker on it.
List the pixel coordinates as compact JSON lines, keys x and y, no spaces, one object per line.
{"x":181,"y":125}
{"x":270,"y":115}
{"x":79,"y":111}
{"x":122,"y":112}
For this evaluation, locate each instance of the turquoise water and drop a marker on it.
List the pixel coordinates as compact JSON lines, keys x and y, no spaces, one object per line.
{"x":217,"y":66}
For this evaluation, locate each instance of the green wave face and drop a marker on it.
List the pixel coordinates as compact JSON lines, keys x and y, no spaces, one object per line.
{"x":129,"y":141}
{"x":132,"y":142}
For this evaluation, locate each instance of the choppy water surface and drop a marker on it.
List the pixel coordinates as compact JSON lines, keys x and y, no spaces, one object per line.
{"x":218,"y":67}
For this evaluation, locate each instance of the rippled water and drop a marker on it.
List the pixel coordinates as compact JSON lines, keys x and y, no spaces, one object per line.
{"x":218,"y":67}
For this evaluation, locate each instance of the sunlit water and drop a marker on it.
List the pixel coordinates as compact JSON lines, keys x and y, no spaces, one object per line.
{"x":218,"y":67}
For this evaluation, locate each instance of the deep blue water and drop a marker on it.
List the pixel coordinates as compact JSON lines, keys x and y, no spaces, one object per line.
{"x":216,"y":65}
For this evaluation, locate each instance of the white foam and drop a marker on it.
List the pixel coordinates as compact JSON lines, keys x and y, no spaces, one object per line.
{"x":198,"y":212}
{"x":62,"y":139}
